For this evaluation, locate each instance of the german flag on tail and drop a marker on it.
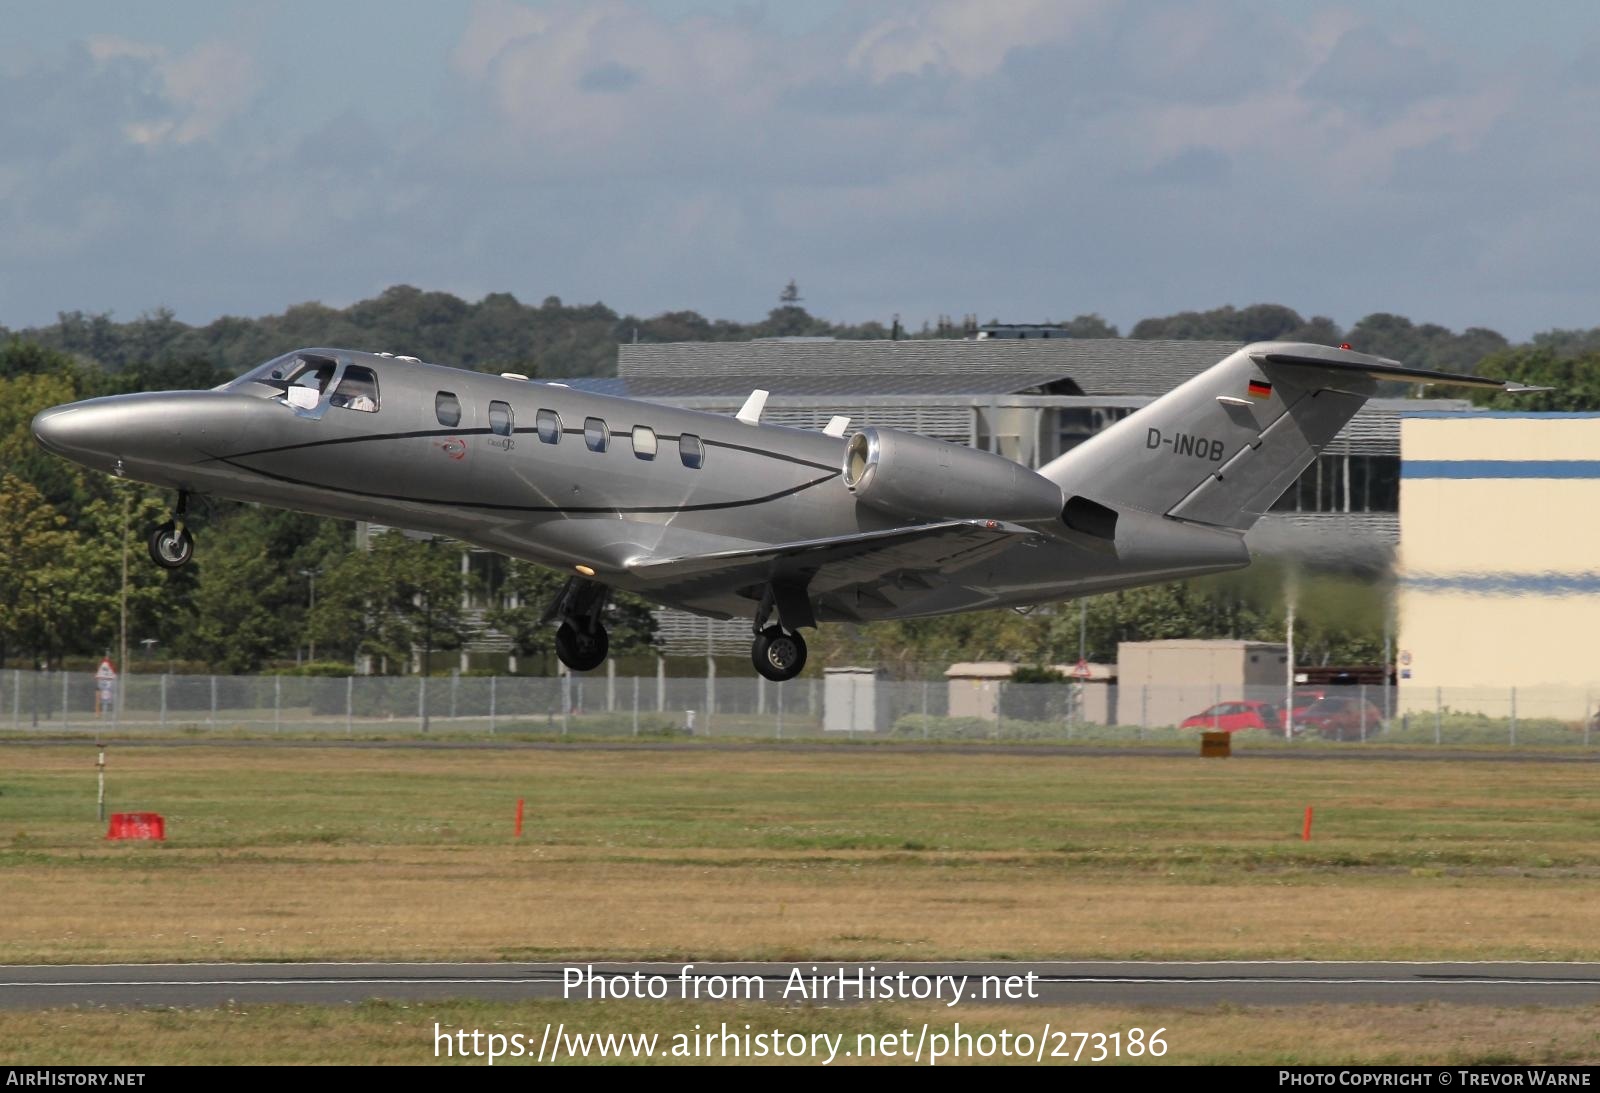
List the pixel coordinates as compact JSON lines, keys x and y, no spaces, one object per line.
{"x":1260,"y":389}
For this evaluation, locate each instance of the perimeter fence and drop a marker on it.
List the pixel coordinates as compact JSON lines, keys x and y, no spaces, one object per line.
{"x":855,"y":705}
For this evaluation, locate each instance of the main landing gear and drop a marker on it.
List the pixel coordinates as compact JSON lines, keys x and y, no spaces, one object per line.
{"x":779,"y":652}
{"x":171,"y":545}
{"x":581,"y":640}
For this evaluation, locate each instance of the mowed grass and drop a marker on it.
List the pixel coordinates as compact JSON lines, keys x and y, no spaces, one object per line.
{"x":345,"y":853}
{"x":405,"y":1034}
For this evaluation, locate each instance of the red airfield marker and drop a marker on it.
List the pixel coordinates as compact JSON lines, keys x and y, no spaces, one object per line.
{"x":519,"y":817}
{"x":1305,"y":832}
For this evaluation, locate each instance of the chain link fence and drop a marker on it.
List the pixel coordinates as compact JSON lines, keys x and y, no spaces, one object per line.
{"x":856,"y":705}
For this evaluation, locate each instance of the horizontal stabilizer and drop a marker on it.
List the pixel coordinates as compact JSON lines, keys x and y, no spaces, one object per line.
{"x":1378,"y":368}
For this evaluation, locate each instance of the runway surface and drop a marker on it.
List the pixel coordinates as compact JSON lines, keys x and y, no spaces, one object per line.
{"x":1094,"y":982}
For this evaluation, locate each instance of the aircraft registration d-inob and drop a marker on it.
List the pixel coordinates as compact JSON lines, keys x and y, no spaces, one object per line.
{"x":727,"y":516}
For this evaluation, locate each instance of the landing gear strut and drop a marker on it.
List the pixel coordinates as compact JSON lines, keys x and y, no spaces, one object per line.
{"x":171,"y":545}
{"x":581,"y":640}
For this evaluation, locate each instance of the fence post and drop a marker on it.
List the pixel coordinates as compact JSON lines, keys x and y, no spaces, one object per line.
{"x":1144,"y":708}
{"x":277,"y":703}
{"x":455,"y":691}
{"x":611,"y":685}
{"x":636,"y":704}
{"x":163,"y":700}
{"x":999,"y":708}
{"x":66,"y":716}
{"x":16,"y":698}
{"x":422,"y":702}
{"x":213,"y":703}
{"x":492,"y":681}
{"x":1513,"y":717}
{"x":661,"y":684}
{"x":566,"y":700}
{"x":349,"y":706}
{"x":924,"y":709}
{"x":781,"y":689}
{"x":711,"y":691}
{"x":1438,"y":714}
{"x":1363,"y":713}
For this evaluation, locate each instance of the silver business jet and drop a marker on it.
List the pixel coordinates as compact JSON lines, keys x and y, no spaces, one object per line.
{"x":727,"y":516}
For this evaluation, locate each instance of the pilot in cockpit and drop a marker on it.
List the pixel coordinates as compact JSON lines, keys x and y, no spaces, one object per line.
{"x":308,"y":386}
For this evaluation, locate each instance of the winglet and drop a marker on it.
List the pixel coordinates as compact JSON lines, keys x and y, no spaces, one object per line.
{"x":837,"y":424}
{"x":750,"y":412}
{"x":1525,"y":389}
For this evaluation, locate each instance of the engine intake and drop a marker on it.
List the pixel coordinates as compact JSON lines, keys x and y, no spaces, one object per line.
{"x":915,"y":476}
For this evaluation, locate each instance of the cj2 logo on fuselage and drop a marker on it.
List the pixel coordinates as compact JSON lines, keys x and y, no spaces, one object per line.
{"x":1185,"y":444}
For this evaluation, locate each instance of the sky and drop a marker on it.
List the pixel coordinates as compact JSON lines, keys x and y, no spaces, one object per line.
{"x":1021,"y":160}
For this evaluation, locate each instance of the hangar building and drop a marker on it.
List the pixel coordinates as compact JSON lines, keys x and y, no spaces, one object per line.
{"x":1499,"y":580}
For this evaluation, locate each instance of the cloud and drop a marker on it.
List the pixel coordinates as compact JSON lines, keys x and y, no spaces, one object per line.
{"x":1011,"y":158}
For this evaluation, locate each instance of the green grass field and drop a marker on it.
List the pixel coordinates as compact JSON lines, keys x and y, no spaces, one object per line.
{"x":342,"y":853}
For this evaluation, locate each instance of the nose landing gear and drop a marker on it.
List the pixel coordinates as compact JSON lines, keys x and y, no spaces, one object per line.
{"x":171,"y":545}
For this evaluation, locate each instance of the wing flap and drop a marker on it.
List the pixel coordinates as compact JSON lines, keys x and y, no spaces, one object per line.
{"x":842,"y":561}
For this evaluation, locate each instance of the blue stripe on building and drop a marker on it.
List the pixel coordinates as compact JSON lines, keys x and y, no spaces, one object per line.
{"x":1500,"y":468}
{"x":1507,"y":584}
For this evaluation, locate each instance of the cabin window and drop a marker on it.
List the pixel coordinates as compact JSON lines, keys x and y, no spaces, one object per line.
{"x":500,"y":418}
{"x":357,"y":390}
{"x":691,"y":451}
{"x":549,"y":423}
{"x":595,"y":434}
{"x":644,"y":442}
{"x":447,"y":408}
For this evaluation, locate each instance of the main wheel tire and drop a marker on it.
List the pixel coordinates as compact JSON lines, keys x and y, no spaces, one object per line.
{"x":171,"y":548}
{"x":582,"y":650}
{"x":778,"y":654}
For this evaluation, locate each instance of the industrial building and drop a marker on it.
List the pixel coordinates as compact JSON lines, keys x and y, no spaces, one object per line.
{"x":1499,"y":587}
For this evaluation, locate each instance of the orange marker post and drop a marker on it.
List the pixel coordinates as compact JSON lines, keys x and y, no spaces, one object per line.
{"x":519,"y":817}
{"x":1305,"y":832}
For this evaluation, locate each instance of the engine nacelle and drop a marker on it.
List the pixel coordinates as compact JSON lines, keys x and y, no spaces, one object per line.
{"x":911,"y":475}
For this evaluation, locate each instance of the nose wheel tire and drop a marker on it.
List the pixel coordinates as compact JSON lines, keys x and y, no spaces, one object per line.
{"x":582,"y":649}
{"x":171,"y":547}
{"x":778,"y":654}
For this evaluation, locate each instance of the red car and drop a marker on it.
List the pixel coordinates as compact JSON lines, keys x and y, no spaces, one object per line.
{"x":1340,"y":717}
{"x":1233,"y":716}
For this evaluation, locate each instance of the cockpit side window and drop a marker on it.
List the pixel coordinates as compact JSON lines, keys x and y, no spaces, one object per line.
{"x":447,"y":408}
{"x":358,"y":390}
{"x":500,"y":418}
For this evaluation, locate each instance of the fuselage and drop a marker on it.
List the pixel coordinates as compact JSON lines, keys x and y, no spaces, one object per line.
{"x":562,"y":477}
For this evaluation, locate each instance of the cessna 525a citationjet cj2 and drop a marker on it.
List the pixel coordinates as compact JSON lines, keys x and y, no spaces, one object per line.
{"x":726,"y":516}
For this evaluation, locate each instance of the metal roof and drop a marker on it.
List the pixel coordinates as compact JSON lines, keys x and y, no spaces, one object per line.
{"x":1097,"y":366}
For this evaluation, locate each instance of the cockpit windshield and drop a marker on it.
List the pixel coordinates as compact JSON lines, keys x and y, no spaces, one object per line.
{"x":293,"y":369}
{"x":303,"y":380}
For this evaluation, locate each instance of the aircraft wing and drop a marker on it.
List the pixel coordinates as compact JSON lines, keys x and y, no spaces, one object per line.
{"x":880,"y":566}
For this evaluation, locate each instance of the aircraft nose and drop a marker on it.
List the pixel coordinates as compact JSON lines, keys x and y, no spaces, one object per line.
{"x":62,"y":429}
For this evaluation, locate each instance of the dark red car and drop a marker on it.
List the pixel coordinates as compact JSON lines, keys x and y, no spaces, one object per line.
{"x":1233,"y":716}
{"x":1340,"y":717}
